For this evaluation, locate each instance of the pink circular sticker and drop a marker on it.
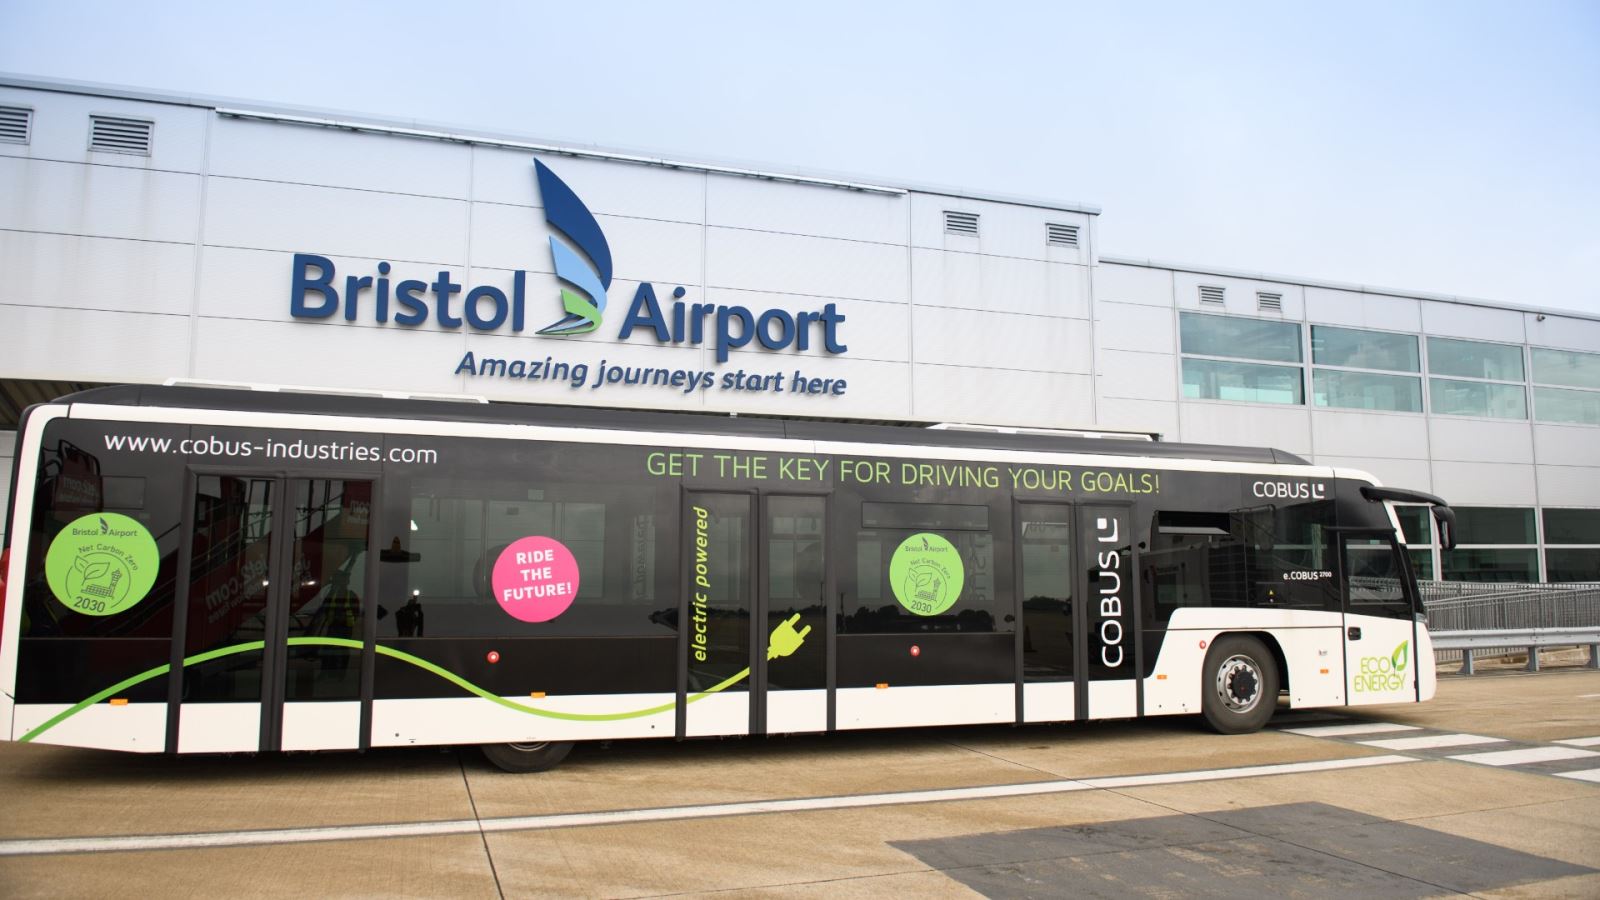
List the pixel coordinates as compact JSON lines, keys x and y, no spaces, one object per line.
{"x":535,"y":579}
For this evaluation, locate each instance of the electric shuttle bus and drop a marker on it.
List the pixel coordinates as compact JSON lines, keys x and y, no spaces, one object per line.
{"x":198,"y":570}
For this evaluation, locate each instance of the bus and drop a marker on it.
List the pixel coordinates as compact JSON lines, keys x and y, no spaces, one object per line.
{"x":202,"y":570}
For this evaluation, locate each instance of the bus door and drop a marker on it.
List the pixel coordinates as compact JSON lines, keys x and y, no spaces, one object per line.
{"x":754,"y":648}
{"x":1052,"y":627}
{"x":272,"y":649}
{"x":1379,"y":622}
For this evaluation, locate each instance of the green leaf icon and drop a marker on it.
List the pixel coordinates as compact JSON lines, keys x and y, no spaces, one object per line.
{"x":1401,"y":656}
{"x":80,"y":565}
{"x":96,"y":570}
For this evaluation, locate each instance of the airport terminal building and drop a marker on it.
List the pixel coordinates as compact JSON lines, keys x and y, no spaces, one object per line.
{"x":147,"y":237}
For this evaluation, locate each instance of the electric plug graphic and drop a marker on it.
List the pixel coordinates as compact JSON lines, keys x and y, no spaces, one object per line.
{"x":785,"y":640}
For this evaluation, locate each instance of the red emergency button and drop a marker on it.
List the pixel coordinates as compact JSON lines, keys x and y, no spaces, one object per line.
{"x":915,"y":650}
{"x":494,"y":656}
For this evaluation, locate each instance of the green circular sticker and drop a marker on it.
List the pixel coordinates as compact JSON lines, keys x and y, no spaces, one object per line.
{"x":101,"y":564}
{"x":926,"y":573}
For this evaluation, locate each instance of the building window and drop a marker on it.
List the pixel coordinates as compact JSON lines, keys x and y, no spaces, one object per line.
{"x":1225,"y":338}
{"x":1366,"y":390}
{"x":1381,"y":351}
{"x":1352,"y":349}
{"x":1572,"y":544}
{"x":1492,"y":367}
{"x":1495,"y":544}
{"x":1569,"y":370}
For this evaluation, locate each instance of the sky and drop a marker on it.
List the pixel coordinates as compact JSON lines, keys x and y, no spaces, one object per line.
{"x":1445,"y":147}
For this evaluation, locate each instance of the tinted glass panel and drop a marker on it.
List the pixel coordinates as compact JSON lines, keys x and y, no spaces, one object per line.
{"x":925,"y":515}
{"x":1208,"y":379}
{"x":1046,"y":543}
{"x":1558,"y":405}
{"x":1572,"y":526}
{"x":229,"y":582}
{"x":1416,"y":524}
{"x":1474,"y":359}
{"x":719,"y":587}
{"x":1274,"y":557}
{"x":795,"y":584}
{"x":1422,"y":564}
{"x":1373,"y":577}
{"x":1477,"y":564}
{"x":1364,"y":390}
{"x":1494,"y":525}
{"x":329,"y":560}
{"x":1572,"y":565}
{"x":1477,"y":398}
{"x":1240,"y":338}
{"x":1566,"y":367}
{"x":1364,"y":349}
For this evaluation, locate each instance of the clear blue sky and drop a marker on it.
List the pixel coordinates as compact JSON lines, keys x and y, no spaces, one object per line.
{"x":1451,"y":147}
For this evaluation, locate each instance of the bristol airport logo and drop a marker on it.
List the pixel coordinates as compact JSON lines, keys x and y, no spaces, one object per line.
{"x":583,"y":294}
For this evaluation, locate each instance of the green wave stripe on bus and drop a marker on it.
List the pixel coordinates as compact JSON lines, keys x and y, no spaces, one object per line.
{"x":390,"y":652}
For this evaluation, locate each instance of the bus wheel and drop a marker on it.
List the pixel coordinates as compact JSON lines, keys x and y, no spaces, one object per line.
{"x":1240,"y":684}
{"x":531,"y":757}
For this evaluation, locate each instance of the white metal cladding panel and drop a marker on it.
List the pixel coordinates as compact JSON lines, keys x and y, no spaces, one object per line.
{"x":1351,"y":309}
{"x":105,"y":346}
{"x":895,"y":707}
{"x":1389,"y":436}
{"x":806,"y":209}
{"x":269,"y":215}
{"x":1483,"y":484}
{"x":606,"y":188}
{"x":1562,"y":332}
{"x":1480,"y":440}
{"x":303,"y":353}
{"x":873,"y":390}
{"x":1048,"y":701}
{"x":1568,"y":486}
{"x":100,"y":201}
{"x":255,"y":284}
{"x":515,"y":237}
{"x":1286,"y":429}
{"x":61,"y":129}
{"x":219,"y":728}
{"x":135,"y":727}
{"x":1151,"y":416}
{"x":339,"y":158}
{"x":1471,"y":322}
{"x":871,"y":330}
{"x":1415,"y":474}
{"x":1132,"y":284}
{"x":1567,"y":445}
{"x":724,"y":713}
{"x":1004,"y":229}
{"x":1003,"y":340}
{"x":100,"y":273}
{"x":793,"y":712}
{"x":1123,"y":326}
{"x":1239,"y":295}
{"x":1139,"y":376}
{"x":975,"y":281}
{"x":322,"y":726}
{"x":473,"y":720}
{"x":965,"y":394}
{"x":792,"y":264}
{"x":1115,"y":699}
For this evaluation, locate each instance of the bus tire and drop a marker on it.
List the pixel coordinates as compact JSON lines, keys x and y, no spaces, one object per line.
{"x":1239,"y":685}
{"x":529,"y":757}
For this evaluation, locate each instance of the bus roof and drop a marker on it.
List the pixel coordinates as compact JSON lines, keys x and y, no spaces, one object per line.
{"x":638,"y":420}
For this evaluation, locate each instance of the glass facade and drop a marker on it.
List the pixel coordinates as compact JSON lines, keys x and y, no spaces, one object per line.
{"x":1366,"y":390}
{"x":1240,"y":338}
{"x":1478,"y":398}
{"x":1572,"y":526}
{"x":1491,"y":564}
{"x":1208,"y":379}
{"x":1357,"y":349}
{"x":1565,"y":406}
{"x":1566,"y":367}
{"x":1475,"y":359}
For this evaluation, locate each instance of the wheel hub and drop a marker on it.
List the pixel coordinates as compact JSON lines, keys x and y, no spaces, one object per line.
{"x":1239,"y":684}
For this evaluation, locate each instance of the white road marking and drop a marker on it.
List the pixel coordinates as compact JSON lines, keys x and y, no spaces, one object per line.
{"x":1343,"y":730}
{"x":1581,"y":742}
{"x":47,"y":846}
{"x":1584,"y":775}
{"x":1431,"y":741}
{"x":1530,"y":755}
{"x":1587,"y":696}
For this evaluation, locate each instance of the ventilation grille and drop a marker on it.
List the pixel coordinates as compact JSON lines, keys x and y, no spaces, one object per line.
{"x":114,"y":135}
{"x":961,"y":223}
{"x":1061,"y":235}
{"x":15,"y":122}
{"x":1269,"y":302}
{"x":1211,"y":294}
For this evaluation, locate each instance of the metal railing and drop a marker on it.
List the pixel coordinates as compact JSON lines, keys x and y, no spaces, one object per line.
{"x":1467,"y":618}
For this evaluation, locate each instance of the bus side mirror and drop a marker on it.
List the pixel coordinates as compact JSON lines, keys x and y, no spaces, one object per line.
{"x":1446,"y":517}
